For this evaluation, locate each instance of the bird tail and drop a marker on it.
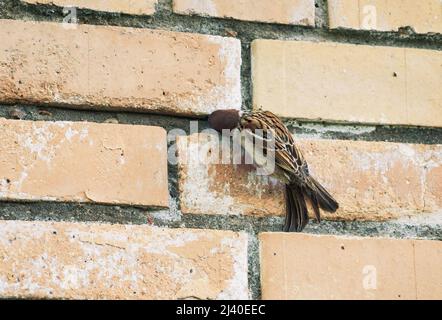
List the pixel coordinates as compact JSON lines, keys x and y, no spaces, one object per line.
{"x":323,"y":197}
{"x":296,"y":209}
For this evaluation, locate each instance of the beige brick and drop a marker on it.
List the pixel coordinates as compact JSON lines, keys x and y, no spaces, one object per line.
{"x":370,"y":180}
{"x":423,"y":15}
{"x":138,"y":7}
{"x":428,"y":264}
{"x":299,"y":12}
{"x":100,"y":261}
{"x":301,"y":266}
{"x":86,"y":162}
{"x":115,"y":68}
{"x":424,"y":86}
{"x":346,"y":82}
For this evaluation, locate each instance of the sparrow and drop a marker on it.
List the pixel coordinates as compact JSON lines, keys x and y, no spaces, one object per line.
{"x":291,"y":168}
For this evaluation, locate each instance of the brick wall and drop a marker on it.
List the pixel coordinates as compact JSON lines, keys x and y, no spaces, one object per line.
{"x":90,"y":206}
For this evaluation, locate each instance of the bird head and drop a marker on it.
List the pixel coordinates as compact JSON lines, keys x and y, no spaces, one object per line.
{"x":224,"y":119}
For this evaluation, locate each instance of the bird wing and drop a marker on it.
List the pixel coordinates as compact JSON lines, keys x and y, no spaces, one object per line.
{"x":294,"y":168}
{"x":288,"y":157}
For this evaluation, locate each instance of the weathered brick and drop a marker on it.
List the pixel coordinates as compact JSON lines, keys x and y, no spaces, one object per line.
{"x":100,"y":261}
{"x":370,"y":180}
{"x":139,"y":7}
{"x":423,"y":16}
{"x":299,"y":12}
{"x":301,"y":266}
{"x":86,"y":162}
{"x":346,"y":82}
{"x":115,"y":68}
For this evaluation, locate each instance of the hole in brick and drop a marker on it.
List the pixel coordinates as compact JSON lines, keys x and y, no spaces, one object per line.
{"x":8,"y":181}
{"x":54,"y":232}
{"x":191,"y":270}
{"x":274,"y":253}
{"x":342,"y":248}
{"x":394,"y":74}
{"x":316,"y":5}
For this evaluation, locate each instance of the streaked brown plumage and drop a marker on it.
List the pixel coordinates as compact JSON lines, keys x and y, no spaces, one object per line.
{"x":291,"y":167}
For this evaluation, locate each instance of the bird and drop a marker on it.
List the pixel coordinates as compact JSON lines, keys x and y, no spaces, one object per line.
{"x":291,"y":168}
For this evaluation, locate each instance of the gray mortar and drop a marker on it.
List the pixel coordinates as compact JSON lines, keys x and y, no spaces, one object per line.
{"x":165,"y":19}
{"x":404,"y":134}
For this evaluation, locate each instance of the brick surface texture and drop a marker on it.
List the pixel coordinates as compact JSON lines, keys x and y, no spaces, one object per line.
{"x":301,"y":266}
{"x":422,"y":16}
{"x":86,"y":162}
{"x":299,"y":12}
{"x":357,"y":83}
{"x":149,"y":70}
{"x":99,"y":261}
{"x":138,"y":7}
{"x":370,"y":180}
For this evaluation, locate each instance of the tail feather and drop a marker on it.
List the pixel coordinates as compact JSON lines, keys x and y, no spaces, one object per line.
{"x":289,"y":207}
{"x":296,"y":209}
{"x":324,"y":199}
{"x":315,"y":204}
